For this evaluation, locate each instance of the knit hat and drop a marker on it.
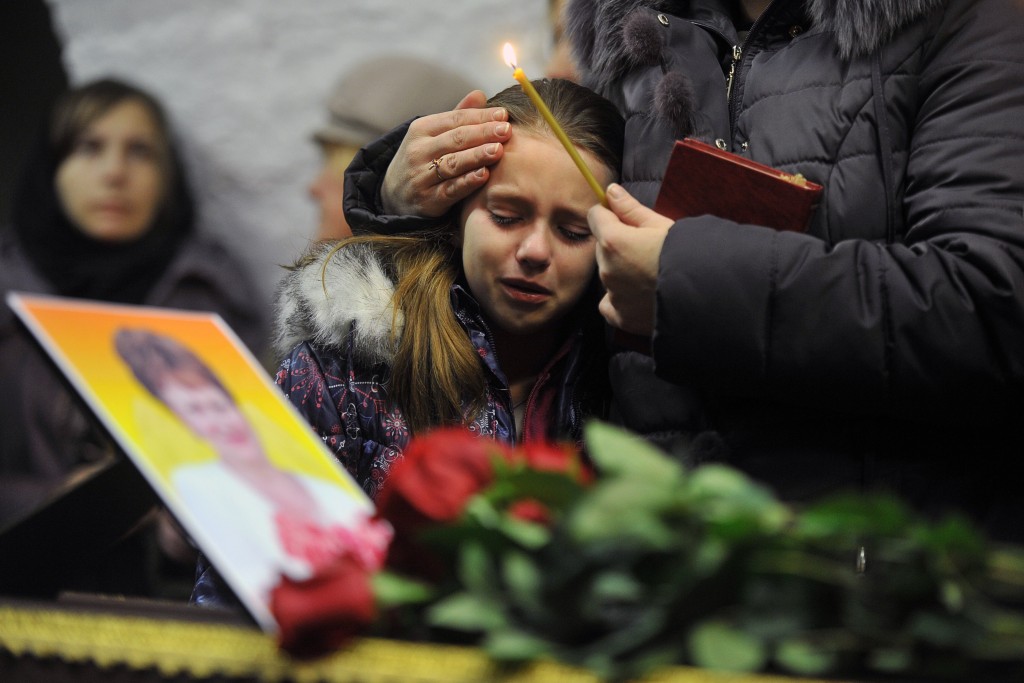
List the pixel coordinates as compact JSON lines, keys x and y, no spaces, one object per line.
{"x":377,"y":95}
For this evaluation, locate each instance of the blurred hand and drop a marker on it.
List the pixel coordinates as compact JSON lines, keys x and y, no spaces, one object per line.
{"x":465,"y":140}
{"x":629,"y":240}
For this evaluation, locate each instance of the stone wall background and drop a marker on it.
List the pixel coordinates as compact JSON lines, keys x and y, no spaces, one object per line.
{"x":245,"y":82}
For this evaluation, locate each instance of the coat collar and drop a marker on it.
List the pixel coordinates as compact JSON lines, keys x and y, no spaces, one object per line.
{"x":332,"y":294}
{"x":859,"y":27}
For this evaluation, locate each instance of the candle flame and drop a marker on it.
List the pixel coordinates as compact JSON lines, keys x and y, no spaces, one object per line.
{"x":510,"y":55}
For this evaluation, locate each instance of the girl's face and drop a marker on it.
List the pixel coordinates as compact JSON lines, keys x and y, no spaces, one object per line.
{"x":527,"y":251}
{"x":111,"y":184}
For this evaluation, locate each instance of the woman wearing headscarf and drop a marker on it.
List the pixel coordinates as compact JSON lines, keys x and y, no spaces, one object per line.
{"x":104,"y":213}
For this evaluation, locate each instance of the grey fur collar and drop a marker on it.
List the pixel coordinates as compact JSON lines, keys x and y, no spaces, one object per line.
{"x":862,"y":26}
{"x":353,"y":294}
{"x":859,"y":27}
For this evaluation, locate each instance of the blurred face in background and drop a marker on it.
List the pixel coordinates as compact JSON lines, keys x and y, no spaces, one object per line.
{"x":113,"y":181}
{"x":327,"y":190}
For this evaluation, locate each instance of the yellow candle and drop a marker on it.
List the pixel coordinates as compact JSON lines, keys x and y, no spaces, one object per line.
{"x":535,"y":97}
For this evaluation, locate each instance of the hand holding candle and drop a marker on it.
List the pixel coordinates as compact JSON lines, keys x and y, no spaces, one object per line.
{"x":531,"y":92}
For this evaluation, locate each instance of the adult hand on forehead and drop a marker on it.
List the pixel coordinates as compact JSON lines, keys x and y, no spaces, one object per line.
{"x":464,"y":142}
{"x":629,"y":240}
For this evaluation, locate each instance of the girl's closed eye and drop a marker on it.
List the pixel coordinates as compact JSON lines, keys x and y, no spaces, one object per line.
{"x":499,"y":219}
{"x":574,"y":233}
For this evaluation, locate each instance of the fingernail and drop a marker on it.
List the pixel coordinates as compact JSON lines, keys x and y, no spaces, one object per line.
{"x":615,"y":191}
{"x":501,"y":128}
{"x":499,"y":115}
{"x":479,"y":173}
{"x":492,"y":149}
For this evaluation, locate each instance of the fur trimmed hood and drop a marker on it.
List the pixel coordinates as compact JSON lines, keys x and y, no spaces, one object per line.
{"x":862,"y":26}
{"x":603,"y":42}
{"x":329,"y":296}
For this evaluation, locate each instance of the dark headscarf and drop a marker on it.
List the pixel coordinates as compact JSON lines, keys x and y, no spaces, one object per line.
{"x":77,"y":265}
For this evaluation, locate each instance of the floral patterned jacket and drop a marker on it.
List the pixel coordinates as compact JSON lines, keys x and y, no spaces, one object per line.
{"x":334,"y":323}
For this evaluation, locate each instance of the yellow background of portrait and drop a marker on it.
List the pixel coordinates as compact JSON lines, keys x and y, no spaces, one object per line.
{"x":80,"y":337}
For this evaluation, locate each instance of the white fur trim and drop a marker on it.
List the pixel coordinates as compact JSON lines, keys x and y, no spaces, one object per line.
{"x":324,"y":305}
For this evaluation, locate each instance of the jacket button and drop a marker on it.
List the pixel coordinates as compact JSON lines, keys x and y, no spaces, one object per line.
{"x":745,"y":146}
{"x":663,"y":19}
{"x":795,"y":30}
{"x":721,"y":144}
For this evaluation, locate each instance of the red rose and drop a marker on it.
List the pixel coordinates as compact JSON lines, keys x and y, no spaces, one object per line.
{"x":439,"y":473}
{"x":530,"y":510}
{"x":558,"y":458}
{"x":322,"y":613}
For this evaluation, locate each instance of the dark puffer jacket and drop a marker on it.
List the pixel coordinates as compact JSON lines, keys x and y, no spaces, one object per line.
{"x":885,"y":347}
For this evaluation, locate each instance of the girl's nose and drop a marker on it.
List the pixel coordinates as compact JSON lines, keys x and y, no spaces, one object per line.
{"x":535,"y":247}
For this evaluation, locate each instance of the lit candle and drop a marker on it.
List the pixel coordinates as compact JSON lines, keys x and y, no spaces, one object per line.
{"x":531,"y":92}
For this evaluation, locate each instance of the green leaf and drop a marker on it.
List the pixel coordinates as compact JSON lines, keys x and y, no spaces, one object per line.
{"x":801,"y":656}
{"x":392,"y":590}
{"x":557,"y":490}
{"x":624,"y":510}
{"x":656,"y":657}
{"x":524,"y":580}
{"x":527,"y":534}
{"x":734,"y":505}
{"x":717,"y":645}
{"x":475,"y":569}
{"x":952,"y":595}
{"x":617,"y":452}
{"x":513,"y":645}
{"x":480,"y":510}
{"x":708,"y":556}
{"x":714,"y":481}
{"x":466,"y":612}
{"x":939,"y":630}
{"x":616,"y":586}
{"x":1003,"y":637}
{"x":854,"y":517}
{"x":601,"y":664}
{"x":955,"y":536}
{"x":890,"y":660}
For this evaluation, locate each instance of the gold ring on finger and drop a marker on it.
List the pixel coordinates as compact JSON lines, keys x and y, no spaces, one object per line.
{"x":436,"y":166}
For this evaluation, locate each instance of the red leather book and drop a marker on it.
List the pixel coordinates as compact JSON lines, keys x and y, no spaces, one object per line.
{"x":702,"y":179}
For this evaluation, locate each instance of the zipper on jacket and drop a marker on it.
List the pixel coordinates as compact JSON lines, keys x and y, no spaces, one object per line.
{"x":737,"y":55}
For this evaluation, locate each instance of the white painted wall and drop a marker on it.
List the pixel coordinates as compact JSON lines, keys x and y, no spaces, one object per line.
{"x":245,"y":81}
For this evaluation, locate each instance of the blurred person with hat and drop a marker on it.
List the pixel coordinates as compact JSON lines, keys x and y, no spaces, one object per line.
{"x":366,"y":102}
